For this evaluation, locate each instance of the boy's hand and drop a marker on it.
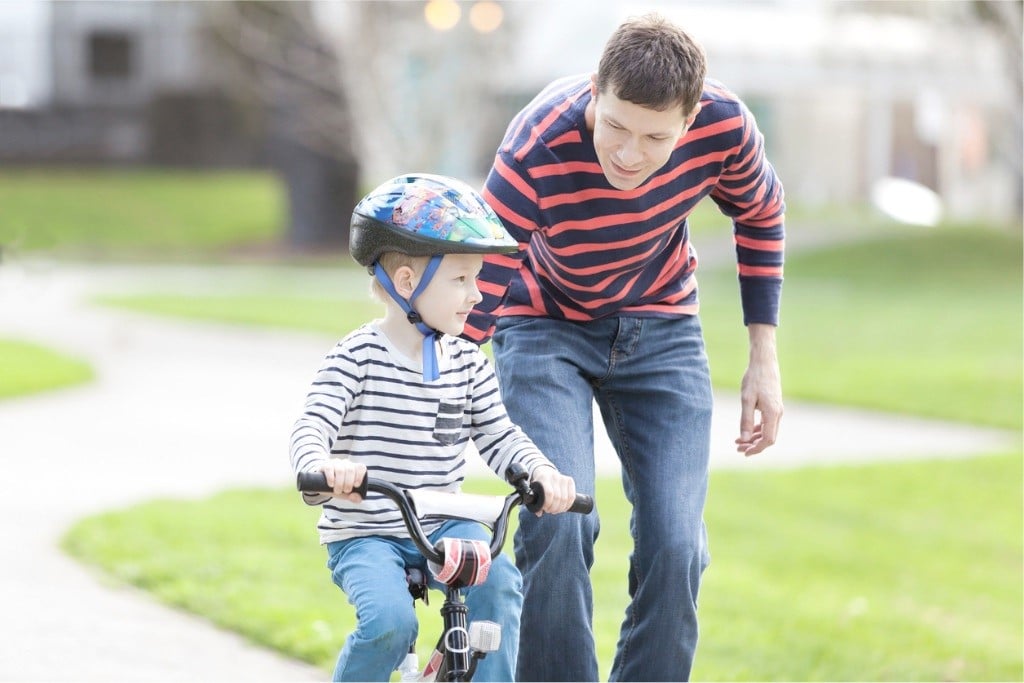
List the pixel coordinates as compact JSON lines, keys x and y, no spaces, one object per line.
{"x":343,"y":476}
{"x":559,"y":490}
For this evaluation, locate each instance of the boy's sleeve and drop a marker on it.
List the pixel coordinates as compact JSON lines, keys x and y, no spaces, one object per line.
{"x":330,"y":395}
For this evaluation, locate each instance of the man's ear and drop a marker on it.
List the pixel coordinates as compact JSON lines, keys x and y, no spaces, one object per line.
{"x":689,"y":121}
{"x":693,"y":115}
{"x":405,"y":280}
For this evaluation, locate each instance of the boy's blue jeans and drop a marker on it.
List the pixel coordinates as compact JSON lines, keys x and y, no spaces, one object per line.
{"x":371,"y":572}
{"x":651,"y":382}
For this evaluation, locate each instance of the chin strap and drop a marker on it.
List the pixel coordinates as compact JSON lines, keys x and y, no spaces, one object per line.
{"x":430,"y":369}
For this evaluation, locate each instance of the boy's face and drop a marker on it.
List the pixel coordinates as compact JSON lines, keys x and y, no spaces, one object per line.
{"x":632,"y":142}
{"x":452,"y":293}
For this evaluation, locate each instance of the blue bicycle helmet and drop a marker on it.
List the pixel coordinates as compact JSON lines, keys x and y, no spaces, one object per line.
{"x":424,"y":215}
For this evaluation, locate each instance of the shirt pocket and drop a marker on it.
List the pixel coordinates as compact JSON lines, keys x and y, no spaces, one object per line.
{"x":448,"y":424}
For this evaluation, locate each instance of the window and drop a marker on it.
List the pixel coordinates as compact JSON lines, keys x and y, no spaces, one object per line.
{"x":111,"y":55}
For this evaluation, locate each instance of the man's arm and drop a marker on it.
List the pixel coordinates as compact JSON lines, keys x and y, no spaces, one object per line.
{"x":508,"y":192}
{"x":760,"y":392}
{"x":750,"y":192}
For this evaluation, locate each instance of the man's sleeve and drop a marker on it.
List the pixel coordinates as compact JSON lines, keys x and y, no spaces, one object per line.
{"x":509,"y":191}
{"x":751,"y":194}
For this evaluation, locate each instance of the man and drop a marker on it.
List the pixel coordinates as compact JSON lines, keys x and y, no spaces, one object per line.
{"x":595,"y":179}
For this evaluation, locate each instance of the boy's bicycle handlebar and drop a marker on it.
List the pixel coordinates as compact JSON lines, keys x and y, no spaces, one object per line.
{"x":529,"y":494}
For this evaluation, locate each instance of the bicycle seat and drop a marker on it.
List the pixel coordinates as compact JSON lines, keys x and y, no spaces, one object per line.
{"x":416,"y":582}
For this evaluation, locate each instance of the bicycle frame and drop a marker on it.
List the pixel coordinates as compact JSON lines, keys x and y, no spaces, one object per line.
{"x":454,"y":659}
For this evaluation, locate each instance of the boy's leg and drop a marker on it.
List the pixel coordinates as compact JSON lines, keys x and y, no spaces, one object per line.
{"x":371,"y":572}
{"x":498,"y":599}
{"x":544,"y":385}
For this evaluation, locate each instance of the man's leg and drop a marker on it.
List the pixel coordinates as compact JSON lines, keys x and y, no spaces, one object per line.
{"x":656,"y":403}
{"x":548,"y":396}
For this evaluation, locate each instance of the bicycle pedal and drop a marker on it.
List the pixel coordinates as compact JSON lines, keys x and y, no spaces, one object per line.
{"x":484,"y":636}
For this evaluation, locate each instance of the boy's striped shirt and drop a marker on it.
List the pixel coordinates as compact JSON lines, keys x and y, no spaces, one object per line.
{"x":370,"y":404}
{"x":588,"y":250}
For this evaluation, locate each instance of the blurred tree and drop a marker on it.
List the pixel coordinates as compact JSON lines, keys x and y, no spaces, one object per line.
{"x":1006,"y":20}
{"x":276,"y":61}
{"x":426,"y":96}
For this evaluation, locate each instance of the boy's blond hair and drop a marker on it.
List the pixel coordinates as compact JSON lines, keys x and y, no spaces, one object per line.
{"x":391,"y":261}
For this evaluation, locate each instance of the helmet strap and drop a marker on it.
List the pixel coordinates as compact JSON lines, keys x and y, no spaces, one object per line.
{"x":430,"y":368}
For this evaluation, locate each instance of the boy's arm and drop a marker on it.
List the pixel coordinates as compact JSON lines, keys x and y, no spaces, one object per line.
{"x":501,"y":442}
{"x":329,"y":397}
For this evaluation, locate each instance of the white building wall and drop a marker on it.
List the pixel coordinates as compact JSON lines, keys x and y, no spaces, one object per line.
{"x":24,"y":54}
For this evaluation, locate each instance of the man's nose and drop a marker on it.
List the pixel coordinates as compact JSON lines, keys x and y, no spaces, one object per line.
{"x":630,"y":153}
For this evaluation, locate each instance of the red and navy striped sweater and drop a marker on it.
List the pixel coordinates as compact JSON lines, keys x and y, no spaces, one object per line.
{"x":589,"y":250}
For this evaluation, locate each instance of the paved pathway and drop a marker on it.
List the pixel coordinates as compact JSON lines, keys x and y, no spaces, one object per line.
{"x":185,"y":410}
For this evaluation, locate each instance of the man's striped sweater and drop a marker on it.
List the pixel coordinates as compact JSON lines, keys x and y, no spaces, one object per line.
{"x":589,"y":250}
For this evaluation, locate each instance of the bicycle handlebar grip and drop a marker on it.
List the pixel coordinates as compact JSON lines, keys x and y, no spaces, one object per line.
{"x":583,"y":504}
{"x":316,"y":482}
{"x":312,"y":482}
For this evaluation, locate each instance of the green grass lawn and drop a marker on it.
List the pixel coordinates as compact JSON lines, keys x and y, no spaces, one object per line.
{"x":883,"y":572}
{"x":150,"y":213}
{"x":923,"y":322}
{"x":28,"y":368}
{"x":927,"y":322}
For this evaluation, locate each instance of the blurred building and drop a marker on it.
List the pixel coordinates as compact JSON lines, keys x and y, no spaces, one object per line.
{"x":104,"y":82}
{"x":854,"y":92}
{"x":846,"y":93}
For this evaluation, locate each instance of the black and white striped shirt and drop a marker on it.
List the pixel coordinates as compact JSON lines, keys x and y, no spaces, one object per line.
{"x":369,"y":403}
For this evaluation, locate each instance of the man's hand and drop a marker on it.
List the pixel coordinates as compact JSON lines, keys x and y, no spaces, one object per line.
{"x":343,"y":476}
{"x":760,"y":392}
{"x":559,"y":490}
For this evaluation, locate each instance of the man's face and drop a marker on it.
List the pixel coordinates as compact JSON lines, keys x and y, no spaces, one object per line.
{"x":633,"y":142}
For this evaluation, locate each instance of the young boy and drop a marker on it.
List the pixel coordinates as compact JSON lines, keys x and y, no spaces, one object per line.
{"x":403,"y":396}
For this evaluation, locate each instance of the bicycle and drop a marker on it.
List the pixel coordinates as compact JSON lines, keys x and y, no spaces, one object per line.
{"x":457,"y":563}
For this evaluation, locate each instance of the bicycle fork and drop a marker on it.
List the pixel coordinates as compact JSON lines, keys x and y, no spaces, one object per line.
{"x":459,"y":649}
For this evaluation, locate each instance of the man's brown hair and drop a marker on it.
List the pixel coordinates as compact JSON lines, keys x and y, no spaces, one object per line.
{"x":653,"y":63}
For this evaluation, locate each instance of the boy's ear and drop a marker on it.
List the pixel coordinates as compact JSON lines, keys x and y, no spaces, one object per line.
{"x":404,"y":279}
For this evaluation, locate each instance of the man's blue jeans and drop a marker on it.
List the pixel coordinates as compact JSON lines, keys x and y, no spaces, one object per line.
{"x":651,"y":382}
{"x":371,"y":572}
